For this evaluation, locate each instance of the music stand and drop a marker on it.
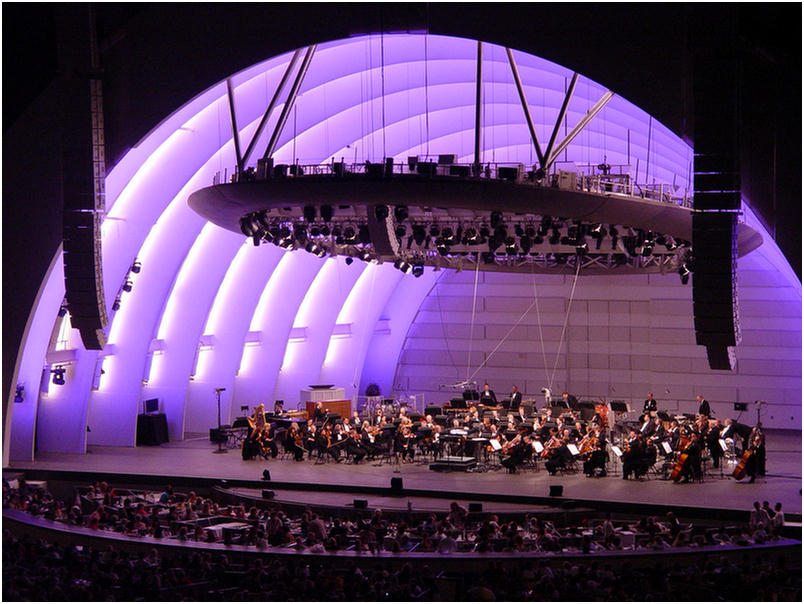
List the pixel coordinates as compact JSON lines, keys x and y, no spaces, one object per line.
{"x":457,"y":403}
{"x":619,"y":406}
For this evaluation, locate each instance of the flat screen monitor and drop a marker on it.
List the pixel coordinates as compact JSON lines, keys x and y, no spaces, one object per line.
{"x":152,"y":405}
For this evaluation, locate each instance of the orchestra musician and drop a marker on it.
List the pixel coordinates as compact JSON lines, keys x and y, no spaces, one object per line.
{"x":713,"y":443}
{"x":487,"y":397}
{"x":257,"y":420}
{"x":735,"y":428}
{"x":368,"y":439}
{"x":293,"y":441}
{"x":648,"y":427}
{"x":650,"y":405}
{"x":595,"y":463}
{"x":755,"y":464}
{"x":659,"y":433}
{"x":692,"y":465}
{"x":516,"y":399}
{"x":354,"y":447}
{"x":634,"y":456}
{"x":266,"y":442}
{"x":405,"y":443}
{"x":337,"y":441}
{"x":560,"y":457}
{"x":703,"y":406}
{"x":517,"y":449}
{"x":570,"y":400}
{"x":311,"y":439}
{"x":279,"y":410}
{"x":319,"y":413}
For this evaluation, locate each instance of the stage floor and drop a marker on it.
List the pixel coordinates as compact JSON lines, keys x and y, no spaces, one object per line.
{"x":195,"y":458}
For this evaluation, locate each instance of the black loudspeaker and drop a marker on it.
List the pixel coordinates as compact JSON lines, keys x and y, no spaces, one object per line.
{"x":396,"y":484}
{"x":217,"y":436}
{"x":266,"y":475}
{"x":475,"y":507}
{"x":360,"y":504}
{"x":741,"y":406}
{"x":556,"y":490}
{"x":266,"y":494}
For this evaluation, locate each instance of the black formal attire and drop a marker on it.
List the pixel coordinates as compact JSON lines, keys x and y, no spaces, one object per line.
{"x":516,"y":401}
{"x":713,"y":444}
{"x":338,"y":442}
{"x":572,"y":401}
{"x":703,"y":408}
{"x":647,"y":428}
{"x":560,"y":458}
{"x":650,"y":405}
{"x":354,"y":448}
{"x":250,"y":447}
{"x":268,"y":444}
{"x":290,"y":445}
{"x":516,"y":456}
{"x":319,"y":415}
{"x":371,"y":448}
{"x":488,"y":398}
{"x":741,"y":430}
{"x":405,"y":445}
{"x":692,"y":465}
{"x":596,"y":461}
{"x":633,"y":460}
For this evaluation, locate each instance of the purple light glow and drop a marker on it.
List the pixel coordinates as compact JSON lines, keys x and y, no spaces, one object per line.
{"x":339,"y":113}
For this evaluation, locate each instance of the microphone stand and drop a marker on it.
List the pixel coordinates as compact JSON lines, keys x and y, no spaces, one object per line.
{"x":219,"y":439}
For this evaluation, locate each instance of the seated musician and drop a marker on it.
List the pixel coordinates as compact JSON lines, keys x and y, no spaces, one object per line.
{"x":347,"y":425}
{"x":368,"y":440}
{"x":516,"y":451}
{"x":379,"y":418}
{"x":560,"y":457}
{"x":311,"y":439}
{"x":257,"y":420}
{"x":487,"y":396}
{"x":577,"y":432}
{"x":692,"y":465}
{"x":293,"y":441}
{"x":354,"y":447}
{"x":659,"y":433}
{"x":495,"y":417}
{"x":405,"y":444}
{"x":595,"y":464}
{"x":267,"y":443}
{"x":250,"y":447}
{"x":713,"y":443}
{"x":337,"y":441}
{"x":279,"y":410}
{"x":634,"y":456}
{"x":647,"y":427}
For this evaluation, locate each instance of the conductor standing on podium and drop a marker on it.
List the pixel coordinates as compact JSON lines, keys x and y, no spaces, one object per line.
{"x":703,"y":406}
{"x":516,"y":399}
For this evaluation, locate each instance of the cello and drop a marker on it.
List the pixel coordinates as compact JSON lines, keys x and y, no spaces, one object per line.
{"x":740,"y":470}
{"x":675,"y":475}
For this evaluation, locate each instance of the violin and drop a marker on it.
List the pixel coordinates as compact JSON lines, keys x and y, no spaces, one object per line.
{"x":553,"y":444}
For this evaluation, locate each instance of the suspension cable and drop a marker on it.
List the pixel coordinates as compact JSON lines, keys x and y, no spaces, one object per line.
{"x":539,"y":323}
{"x":566,"y":320}
{"x":472,"y":327}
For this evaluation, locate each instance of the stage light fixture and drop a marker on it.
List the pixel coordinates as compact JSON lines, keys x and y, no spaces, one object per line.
{"x":581,"y":248}
{"x":309,"y":213}
{"x":469,"y":236}
{"x":364,"y":255}
{"x":363,"y":234}
{"x":419,"y":234}
{"x":381,"y":212}
{"x":315,"y":250}
{"x":418,"y":270}
{"x":555,"y":236}
{"x":349,"y":260}
{"x":349,"y":234}
{"x":510,"y":245}
{"x":62,"y":310}
{"x":434,"y":230}
{"x":442,"y":247}
{"x":325,"y":231}
{"x":136,"y":267}
{"x":401,"y":213}
{"x":256,"y":239}
{"x":525,"y":243}
{"x":495,"y":219}
{"x":58,"y":375}
{"x":315,"y":231}
{"x":116,"y":304}
{"x":19,"y":395}
{"x":300,"y":234}
{"x":127,"y":286}
{"x":519,"y":230}
{"x":326,"y":212}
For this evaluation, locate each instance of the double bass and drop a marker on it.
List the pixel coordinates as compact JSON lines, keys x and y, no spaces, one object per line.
{"x":756,"y":441}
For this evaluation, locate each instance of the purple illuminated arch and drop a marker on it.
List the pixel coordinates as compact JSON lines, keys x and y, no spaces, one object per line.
{"x":188,"y":325}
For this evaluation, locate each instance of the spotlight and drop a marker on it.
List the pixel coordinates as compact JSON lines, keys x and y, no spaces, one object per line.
{"x":446,"y":235}
{"x":402,"y":265}
{"x":136,"y":267}
{"x":337,"y":231}
{"x":58,"y":375}
{"x":300,"y":234}
{"x":381,"y":212}
{"x":349,"y":260}
{"x":496,"y":219}
{"x":284,"y":233}
{"x":245,"y":226}
{"x":500,"y":232}
{"x":315,"y":231}
{"x":581,"y":248}
{"x":494,"y":243}
{"x":442,"y":247}
{"x":364,"y":255}
{"x":555,"y":236}
{"x":62,"y":310}
{"x":401,"y":213}
{"x":19,"y":395}
{"x":530,"y":231}
{"x":315,"y":250}
{"x":349,"y":234}
{"x":325,"y":231}
{"x":116,"y":304}
{"x":256,"y":239}
{"x":525,"y":243}
{"x":309,"y":213}
{"x":127,"y":286}
{"x":418,"y":270}
{"x":469,"y":236}
{"x":510,"y":245}
{"x":400,"y":231}
{"x":519,"y":230}
{"x":434,"y":230}
{"x":419,"y":234}
{"x":326,"y":213}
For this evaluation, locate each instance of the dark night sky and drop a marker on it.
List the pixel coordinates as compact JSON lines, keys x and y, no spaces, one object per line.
{"x":158,"y":56}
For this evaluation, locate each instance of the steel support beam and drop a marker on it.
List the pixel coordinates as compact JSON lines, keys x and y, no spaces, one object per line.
{"x":525,"y":108}
{"x":478,"y":105}
{"x":271,"y":105}
{"x":235,"y":133}
{"x":561,"y":114}
{"x":579,"y":127}
{"x":294,"y":91}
